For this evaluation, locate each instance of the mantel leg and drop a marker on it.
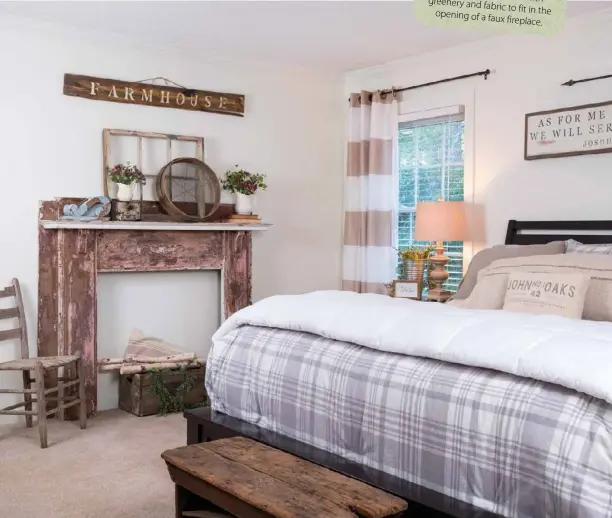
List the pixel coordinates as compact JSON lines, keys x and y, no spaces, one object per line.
{"x":77,"y":308}
{"x":47,"y":291}
{"x":236,"y":272}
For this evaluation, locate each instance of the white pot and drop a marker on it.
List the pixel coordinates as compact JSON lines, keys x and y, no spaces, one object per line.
{"x":245,"y":203}
{"x":124,"y":192}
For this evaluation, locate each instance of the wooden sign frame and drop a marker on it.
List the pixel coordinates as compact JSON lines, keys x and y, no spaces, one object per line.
{"x":145,"y":94}
{"x":416,"y":285}
{"x":589,"y":124}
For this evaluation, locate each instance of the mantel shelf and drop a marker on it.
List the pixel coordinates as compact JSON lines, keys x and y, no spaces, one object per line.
{"x":150,"y":225}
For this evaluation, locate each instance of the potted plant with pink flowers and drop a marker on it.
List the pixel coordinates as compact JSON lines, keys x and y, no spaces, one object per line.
{"x":124,"y":176}
{"x":244,"y":185}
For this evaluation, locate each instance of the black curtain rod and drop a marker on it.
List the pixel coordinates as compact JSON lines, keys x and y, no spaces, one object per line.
{"x":484,"y":73}
{"x":571,"y":82}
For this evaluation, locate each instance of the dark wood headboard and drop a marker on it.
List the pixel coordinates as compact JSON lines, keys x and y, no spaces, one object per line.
{"x":540,"y":232}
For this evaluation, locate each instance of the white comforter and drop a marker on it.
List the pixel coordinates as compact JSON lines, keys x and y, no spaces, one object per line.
{"x":573,"y":353}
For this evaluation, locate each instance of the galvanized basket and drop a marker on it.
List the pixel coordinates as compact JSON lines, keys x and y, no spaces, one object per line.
{"x":413,"y":271}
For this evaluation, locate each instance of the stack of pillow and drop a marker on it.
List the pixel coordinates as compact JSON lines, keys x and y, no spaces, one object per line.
{"x":565,"y":278}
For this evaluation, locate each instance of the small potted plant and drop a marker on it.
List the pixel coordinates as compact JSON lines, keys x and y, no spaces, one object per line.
{"x":414,"y":261}
{"x":244,"y":185}
{"x":124,"y":176}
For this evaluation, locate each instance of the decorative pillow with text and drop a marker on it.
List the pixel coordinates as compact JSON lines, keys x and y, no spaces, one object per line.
{"x":486,"y":256}
{"x":560,"y":294}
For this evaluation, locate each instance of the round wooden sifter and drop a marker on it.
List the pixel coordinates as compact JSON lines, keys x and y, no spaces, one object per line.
{"x":188,"y":189}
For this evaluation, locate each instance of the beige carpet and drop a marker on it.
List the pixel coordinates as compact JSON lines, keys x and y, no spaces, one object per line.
{"x":111,"y":469}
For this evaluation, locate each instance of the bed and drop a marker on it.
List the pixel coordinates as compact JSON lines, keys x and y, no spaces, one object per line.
{"x":497,"y":410}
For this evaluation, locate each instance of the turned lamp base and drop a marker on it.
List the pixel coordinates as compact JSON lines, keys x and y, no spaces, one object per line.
{"x":438,"y":295}
{"x":439,"y":275}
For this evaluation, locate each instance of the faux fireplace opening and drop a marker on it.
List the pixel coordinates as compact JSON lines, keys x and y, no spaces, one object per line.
{"x":180,"y":307}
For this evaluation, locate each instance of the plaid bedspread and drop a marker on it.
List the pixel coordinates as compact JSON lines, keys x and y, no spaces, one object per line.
{"x":514,"y":446}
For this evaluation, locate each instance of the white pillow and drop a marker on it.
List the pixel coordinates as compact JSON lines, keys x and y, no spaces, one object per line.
{"x":575,"y":247}
{"x":560,"y":294}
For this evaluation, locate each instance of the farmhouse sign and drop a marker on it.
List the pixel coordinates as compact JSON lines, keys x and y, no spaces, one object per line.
{"x":578,"y":130}
{"x":100,"y":89}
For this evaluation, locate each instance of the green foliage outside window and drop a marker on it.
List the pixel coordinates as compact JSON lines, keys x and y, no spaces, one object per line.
{"x":431,"y":157}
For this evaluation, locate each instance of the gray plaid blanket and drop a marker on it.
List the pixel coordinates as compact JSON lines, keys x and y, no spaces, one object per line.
{"x":511,"y":445}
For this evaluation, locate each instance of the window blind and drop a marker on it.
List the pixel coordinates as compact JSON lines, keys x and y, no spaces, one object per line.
{"x":431,"y":161}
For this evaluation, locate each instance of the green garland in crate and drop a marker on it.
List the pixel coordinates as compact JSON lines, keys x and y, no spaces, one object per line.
{"x":168,"y":402}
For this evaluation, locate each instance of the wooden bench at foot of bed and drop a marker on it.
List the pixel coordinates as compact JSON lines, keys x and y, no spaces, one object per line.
{"x":205,"y":424}
{"x":242,"y":478}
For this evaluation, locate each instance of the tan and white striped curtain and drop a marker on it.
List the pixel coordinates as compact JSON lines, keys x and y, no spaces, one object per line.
{"x":370,"y":195}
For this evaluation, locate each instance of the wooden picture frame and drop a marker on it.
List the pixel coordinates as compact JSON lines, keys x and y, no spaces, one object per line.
{"x":572,"y":131}
{"x":108,"y":134}
{"x":407,"y":289}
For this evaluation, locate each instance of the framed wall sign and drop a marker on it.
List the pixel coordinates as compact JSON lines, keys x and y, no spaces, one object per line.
{"x":406,"y":289}
{"x":578,"y":130}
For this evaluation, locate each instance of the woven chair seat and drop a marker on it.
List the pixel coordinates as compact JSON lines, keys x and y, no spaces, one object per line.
{"x":29,"y":364}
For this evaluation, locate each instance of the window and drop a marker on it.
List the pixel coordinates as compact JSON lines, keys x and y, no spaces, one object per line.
{"x":431,"y":159}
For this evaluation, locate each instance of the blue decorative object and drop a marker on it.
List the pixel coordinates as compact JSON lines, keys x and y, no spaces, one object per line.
{"x":90,"y":209}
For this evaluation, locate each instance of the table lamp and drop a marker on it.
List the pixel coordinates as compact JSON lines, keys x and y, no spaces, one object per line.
{"x":440,"y":221}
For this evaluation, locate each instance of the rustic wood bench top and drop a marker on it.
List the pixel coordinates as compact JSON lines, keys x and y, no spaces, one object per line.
{"x":279,"y":484}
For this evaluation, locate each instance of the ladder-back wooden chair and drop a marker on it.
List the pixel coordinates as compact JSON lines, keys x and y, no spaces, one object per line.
{"x":39,"y":366}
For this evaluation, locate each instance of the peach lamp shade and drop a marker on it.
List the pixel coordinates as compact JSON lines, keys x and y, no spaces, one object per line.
{"x":440,"y":221}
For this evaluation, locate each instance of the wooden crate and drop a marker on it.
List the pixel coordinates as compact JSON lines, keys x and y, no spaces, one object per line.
{"x":136,"y":396}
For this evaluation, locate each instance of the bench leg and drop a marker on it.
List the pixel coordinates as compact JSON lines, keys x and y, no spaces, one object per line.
{"x":27,"y":385}
{"x":180,"y":501}
{"x":41,"y":404}
{"x":185,"y":500}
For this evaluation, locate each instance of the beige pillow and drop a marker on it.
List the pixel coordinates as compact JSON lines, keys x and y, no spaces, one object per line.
{"x":560,"y":294}
{"x":487,"y":294}
{"x":598,"y":299}
{"x":485,"y":257}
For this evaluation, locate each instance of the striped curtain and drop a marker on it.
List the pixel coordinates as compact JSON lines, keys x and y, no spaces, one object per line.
{"x":371,"y":194}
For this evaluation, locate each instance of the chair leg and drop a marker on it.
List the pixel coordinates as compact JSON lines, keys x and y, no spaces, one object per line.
{"x":41,"y":404}
{"x":61,"y":372}
{"x":82,"y":397}
{"x":27,"y":385}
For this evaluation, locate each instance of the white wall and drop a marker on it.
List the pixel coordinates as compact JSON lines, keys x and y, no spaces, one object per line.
{"x":51,"y":146}
{"x":528,"y":72}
